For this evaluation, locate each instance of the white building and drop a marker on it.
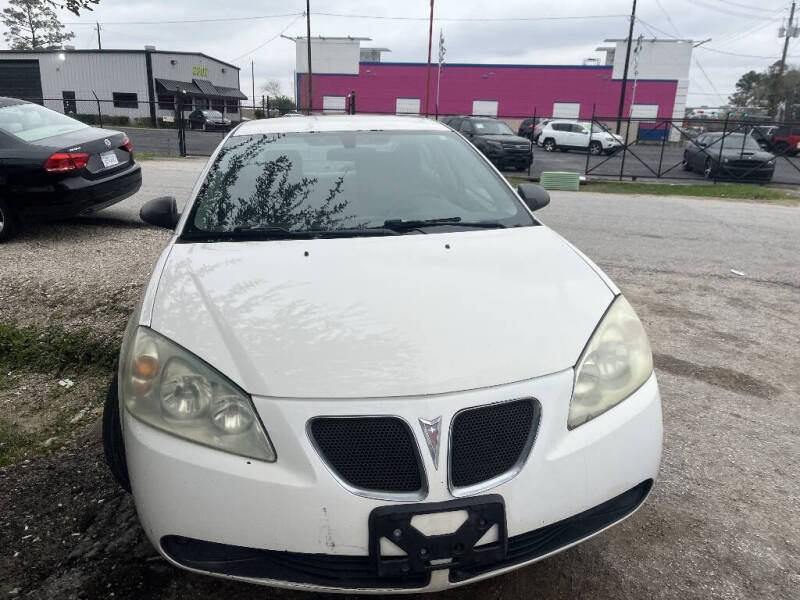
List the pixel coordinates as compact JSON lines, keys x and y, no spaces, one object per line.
{"x":139,"y":84}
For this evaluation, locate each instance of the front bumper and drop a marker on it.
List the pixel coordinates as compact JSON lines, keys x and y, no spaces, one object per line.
{"x":76,"y":195}
{"x":732,"y":172}
{"x":295,"y":512}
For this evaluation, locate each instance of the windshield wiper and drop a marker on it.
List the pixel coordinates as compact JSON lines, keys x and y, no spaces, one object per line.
{"x":271,"y":231}
{"x":401,"y":225}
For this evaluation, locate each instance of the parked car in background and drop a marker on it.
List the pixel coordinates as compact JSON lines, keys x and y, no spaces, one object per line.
{"x":496,"y":140}
{"x":575,"y":135}
{"x":763,"y":135}
{"x":208,"y":120}
{"x":54,"y":167}
{"x":785,"y":140}
{"x":728,"y":156}
{"x":531,"y":128}
{"x":335,"y":381}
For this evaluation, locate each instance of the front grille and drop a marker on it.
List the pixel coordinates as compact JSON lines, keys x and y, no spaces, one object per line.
{"x":375,"y":454}
{"x":488,"y":441}
{"x":540,"y":542}
{"x":516,"y":146}
{"x":347,"y":572}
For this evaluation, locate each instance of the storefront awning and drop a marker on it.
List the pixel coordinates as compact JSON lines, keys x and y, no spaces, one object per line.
{"x":197,"y":87}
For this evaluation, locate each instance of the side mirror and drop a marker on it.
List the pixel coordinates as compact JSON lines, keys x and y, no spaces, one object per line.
{"x":161,"y":212}
{"x":533,"y":195}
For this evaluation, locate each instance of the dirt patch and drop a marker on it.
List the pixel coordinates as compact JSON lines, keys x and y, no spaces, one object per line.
{"x":663,"y":309}
{"x":723,"y":377}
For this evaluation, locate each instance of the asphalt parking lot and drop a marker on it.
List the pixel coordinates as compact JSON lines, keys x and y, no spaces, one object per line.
{"x":641,"y":162}
{"x":721,"y":521}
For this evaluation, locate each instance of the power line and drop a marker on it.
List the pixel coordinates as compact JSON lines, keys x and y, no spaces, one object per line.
{"x":748,"y":6}
{"x":470,"y":19}
{"x":730,"y":13}
{"x":272,"y":39}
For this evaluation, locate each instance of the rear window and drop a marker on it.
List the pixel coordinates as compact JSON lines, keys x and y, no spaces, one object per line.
{"x":31,"y":122}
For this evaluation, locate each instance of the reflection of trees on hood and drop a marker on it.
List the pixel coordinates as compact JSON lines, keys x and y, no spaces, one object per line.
{"x":272,"y":201}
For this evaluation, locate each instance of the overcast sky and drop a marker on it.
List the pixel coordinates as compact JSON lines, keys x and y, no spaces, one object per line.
{"x":742,"y":27}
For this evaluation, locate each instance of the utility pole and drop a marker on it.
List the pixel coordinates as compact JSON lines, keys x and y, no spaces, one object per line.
{"x":253,"y":81}
{"x":308,"y":51}
{"x":625,"y":71}
{"x":100,"y":46}
{"x":428,"y":70}
{"x":789,"y":35}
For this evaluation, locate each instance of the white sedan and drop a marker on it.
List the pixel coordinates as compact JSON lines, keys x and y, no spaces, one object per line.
{"x":361,"y":364}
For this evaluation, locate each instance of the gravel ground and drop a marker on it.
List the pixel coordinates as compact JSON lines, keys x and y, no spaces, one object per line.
{"x":721,"y":521}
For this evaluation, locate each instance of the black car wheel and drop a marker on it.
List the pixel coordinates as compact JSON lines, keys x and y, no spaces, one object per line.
{"x":782,"y":148}
{"x":595,"y":148}
{"x":685,"y":162}
{"x":549,"y":145}
{"x":113,"y":444}
{"x":8,"y":223}
{"x":708,"y":171}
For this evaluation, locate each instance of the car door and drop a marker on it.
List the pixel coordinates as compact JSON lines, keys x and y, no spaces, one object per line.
{"x":580,"y":136}
{"x":560,"y":133}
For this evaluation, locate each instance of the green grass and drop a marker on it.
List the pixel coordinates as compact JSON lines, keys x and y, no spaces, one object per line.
{"x":54,"y":349}
{"x":728,"y":191}
{"x":725,"y":191}
{"x":152,"y":155}
{"x":16,"y":443}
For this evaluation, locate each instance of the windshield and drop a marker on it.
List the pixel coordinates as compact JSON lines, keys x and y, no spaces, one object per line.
{"x":31,"y":122}
{"x":734,"y":141}
{"x":317,"y":182}
{"x":213,"y":113}
{"x":492,"y":127}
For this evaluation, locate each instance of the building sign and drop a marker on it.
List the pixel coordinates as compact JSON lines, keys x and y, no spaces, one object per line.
{"x":199,"y":71}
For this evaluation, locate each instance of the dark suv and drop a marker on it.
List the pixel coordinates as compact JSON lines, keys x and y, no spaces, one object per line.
{"x":496,"y":140}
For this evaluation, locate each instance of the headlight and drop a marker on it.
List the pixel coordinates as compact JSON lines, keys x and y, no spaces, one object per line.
{"x":170,"y":389}
{"x":494,"y":143}
{"x":726,"y":159}
{"x":771,"y":162}
{"x":615,"y":363}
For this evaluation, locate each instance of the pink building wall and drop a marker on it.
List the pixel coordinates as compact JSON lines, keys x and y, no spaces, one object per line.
{"x":519,"y":89}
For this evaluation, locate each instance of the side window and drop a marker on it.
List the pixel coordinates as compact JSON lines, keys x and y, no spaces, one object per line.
{"x":466,"y":127}
{"x":577,"y":128}
{"x":557,"y":126}
{"x":795,"y":130}
{"x":782,"y":131}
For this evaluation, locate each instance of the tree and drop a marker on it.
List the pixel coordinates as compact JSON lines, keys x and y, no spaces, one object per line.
{"x":73,"y":6}
{"x":33,"y":25}
{"x":272,"y":88}
{"x":283,"y":104}
{"x":748,"y":90}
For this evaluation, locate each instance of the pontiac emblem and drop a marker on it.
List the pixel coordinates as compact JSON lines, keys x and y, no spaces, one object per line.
{"x":431,"y":431}
{"x":107,"y":142}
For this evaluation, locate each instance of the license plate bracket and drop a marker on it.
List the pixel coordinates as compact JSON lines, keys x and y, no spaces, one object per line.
{"x":109,"y":159}
{"x":426,"y":553}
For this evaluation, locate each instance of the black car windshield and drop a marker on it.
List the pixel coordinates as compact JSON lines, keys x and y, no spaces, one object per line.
{"x":733,"y":141}
{"x":491,"y":127}
{"x":31,"y":122}
{"x":215,"y":114}
{"x":350,"y":181}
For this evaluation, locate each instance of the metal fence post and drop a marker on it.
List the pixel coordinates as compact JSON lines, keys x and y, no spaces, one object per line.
{"x":721,"y":145}
{"x":625,"y":147}
{"x":591,"y":128}
{"x":667,"y":127}
{"x":99,"y":114}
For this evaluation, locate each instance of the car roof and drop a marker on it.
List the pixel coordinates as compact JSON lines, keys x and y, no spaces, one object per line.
{"x":4,"y":101}
{"x":313,"y":123}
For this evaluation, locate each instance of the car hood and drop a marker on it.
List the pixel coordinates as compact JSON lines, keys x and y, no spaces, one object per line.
{"x":381,"y":316}
{"x":511,"y":139}
{"x":748,"y":154}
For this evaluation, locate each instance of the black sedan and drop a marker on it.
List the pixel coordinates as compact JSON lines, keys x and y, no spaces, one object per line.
{"x":208,"y":120}
{"x":53,"y":167}
{"x":728,"y":156}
